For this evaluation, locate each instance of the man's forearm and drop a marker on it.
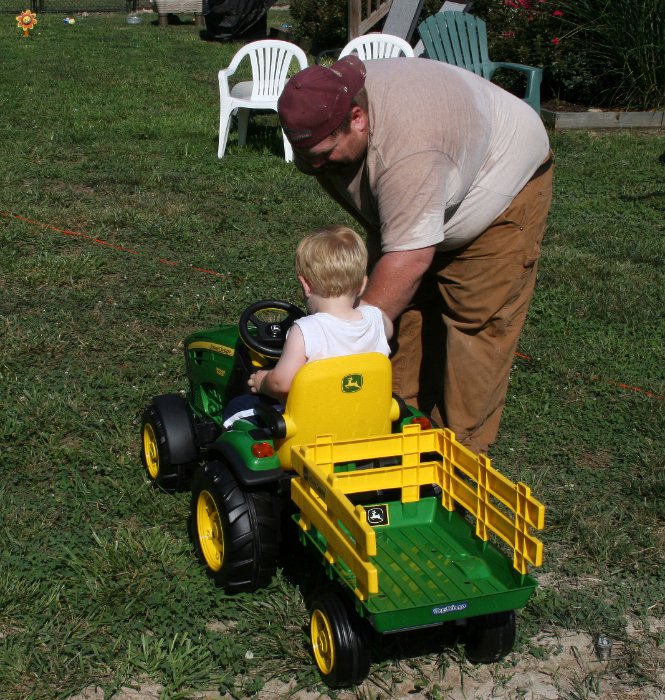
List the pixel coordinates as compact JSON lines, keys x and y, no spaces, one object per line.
{"x":395,"y":279}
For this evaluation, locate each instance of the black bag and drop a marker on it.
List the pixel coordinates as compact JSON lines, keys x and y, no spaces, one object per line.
{"x":233,"y":19}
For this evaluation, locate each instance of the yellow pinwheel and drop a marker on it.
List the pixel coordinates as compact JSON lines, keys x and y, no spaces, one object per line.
{"x":26,"y":21}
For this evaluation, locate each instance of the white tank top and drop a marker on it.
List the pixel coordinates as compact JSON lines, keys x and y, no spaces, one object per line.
{"x":328,"y":336}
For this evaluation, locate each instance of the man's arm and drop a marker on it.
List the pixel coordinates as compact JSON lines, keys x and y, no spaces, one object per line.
{"x":395,"y":279}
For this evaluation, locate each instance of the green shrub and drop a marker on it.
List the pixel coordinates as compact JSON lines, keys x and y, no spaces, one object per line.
{"x":596,"y":52}
{"x":625,"y":45}
{"x":323,"y":24}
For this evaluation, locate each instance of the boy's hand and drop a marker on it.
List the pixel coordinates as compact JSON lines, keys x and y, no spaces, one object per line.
{"x":276,"y":382}
{"x":256,"y":380}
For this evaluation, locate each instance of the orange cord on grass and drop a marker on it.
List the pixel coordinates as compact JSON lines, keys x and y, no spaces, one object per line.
{"x":595,"y":378}
{"x":171,"y":263}
{"x":100,"y":241}
{"x":649,"y":394}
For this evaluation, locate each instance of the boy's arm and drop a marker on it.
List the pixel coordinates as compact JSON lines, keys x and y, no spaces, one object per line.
{"x":276,"y":382}
{"x":387,"y":325}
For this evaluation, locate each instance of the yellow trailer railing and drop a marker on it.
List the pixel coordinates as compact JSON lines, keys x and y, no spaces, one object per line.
{"x":499,"y":505}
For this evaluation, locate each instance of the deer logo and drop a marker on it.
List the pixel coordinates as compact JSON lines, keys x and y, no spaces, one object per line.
{"x":377,"y":515}
{"x":352,"y":383}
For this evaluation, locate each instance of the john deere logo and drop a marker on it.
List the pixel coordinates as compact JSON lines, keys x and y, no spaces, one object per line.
{"x":352,"y":383}
{"x":377,"y":515}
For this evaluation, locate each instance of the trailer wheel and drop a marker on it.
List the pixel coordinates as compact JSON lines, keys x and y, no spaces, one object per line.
{"x":234,"y":532}
{"x":340,"y":641}
{"x":168,"y":442}
{"x":488,"y":638}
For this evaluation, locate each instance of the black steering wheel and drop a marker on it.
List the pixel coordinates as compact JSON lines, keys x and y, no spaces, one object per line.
{"x":263,"y":326}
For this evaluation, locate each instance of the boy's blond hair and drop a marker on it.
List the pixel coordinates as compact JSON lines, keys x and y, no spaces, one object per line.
{"x":333,"y":260}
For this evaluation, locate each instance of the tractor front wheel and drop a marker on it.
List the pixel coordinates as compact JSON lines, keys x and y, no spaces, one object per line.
{"x":169,"y":449}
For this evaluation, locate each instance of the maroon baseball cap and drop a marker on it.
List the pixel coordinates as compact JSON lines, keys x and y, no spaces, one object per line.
{"x":315,"y":101}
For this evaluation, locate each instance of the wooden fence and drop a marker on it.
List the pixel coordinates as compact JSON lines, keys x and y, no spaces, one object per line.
{"x":364,"y":14}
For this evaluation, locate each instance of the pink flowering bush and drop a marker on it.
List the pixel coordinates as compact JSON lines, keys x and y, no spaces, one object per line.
{"x":595,"y":52}
{"x":536,"y":33}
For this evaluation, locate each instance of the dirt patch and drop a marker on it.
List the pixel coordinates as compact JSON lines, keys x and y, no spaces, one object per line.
{"x":563,"y":106}
{"x":601,"y":459}
{"x":566,"y":667}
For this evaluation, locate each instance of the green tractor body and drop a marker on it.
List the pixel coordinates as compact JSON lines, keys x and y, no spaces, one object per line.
{"x":404,"y":520}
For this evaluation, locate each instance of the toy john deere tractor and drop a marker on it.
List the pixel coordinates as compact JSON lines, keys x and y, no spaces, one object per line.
{"x":398,"y":514}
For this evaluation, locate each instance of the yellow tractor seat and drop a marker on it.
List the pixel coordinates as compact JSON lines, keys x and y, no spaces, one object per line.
{"x":346,"y":397}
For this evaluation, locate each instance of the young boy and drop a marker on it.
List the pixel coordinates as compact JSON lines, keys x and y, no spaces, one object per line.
{"x":331,"y":267}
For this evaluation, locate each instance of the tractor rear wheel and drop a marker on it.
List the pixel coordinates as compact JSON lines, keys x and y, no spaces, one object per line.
{"x":235,"y":532}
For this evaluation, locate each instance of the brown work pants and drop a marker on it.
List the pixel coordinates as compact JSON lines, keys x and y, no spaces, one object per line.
{"x":454,"y":345}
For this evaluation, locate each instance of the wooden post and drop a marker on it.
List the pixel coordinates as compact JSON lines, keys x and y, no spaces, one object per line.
{"x":363,"y":16}
{"x":355,"y":12}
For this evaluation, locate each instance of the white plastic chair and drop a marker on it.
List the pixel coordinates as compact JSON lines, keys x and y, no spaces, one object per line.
{"x":270,"y":60}
{"x":371,"y":46}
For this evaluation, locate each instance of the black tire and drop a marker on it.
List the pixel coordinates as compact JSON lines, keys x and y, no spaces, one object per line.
{"x":488,"y":638}
{"x":340,"y":641}
{"x":235,"y":532}
{"x":169,"y":449}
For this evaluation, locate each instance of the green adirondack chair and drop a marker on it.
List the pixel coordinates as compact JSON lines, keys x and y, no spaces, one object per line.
{"x":461,"y":39}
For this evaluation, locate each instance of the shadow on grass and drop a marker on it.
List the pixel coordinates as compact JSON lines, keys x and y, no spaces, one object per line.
{"x":263,"y":135}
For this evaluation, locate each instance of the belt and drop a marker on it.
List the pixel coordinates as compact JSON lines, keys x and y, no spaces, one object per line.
{"x":542,"y":169}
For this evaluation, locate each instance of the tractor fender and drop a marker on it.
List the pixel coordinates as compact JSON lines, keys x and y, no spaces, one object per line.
{"x":178,"y":427}
{"x":247,"y":477}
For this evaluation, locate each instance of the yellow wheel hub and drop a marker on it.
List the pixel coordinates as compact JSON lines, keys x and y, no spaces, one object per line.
{"x":151,"y":450}
{"x":323,"y":643}
{"x":209,"y":531}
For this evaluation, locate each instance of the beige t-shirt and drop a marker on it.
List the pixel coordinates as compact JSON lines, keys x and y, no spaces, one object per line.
{"x":447,"y":153}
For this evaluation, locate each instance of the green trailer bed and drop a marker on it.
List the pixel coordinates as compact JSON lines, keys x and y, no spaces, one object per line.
{"x":417,"y":561}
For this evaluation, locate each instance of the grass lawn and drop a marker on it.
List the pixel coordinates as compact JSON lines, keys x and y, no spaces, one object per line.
{"x":121,"y":232}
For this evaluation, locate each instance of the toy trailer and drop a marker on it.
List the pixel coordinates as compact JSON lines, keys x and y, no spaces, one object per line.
{"x":417,"y":554}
